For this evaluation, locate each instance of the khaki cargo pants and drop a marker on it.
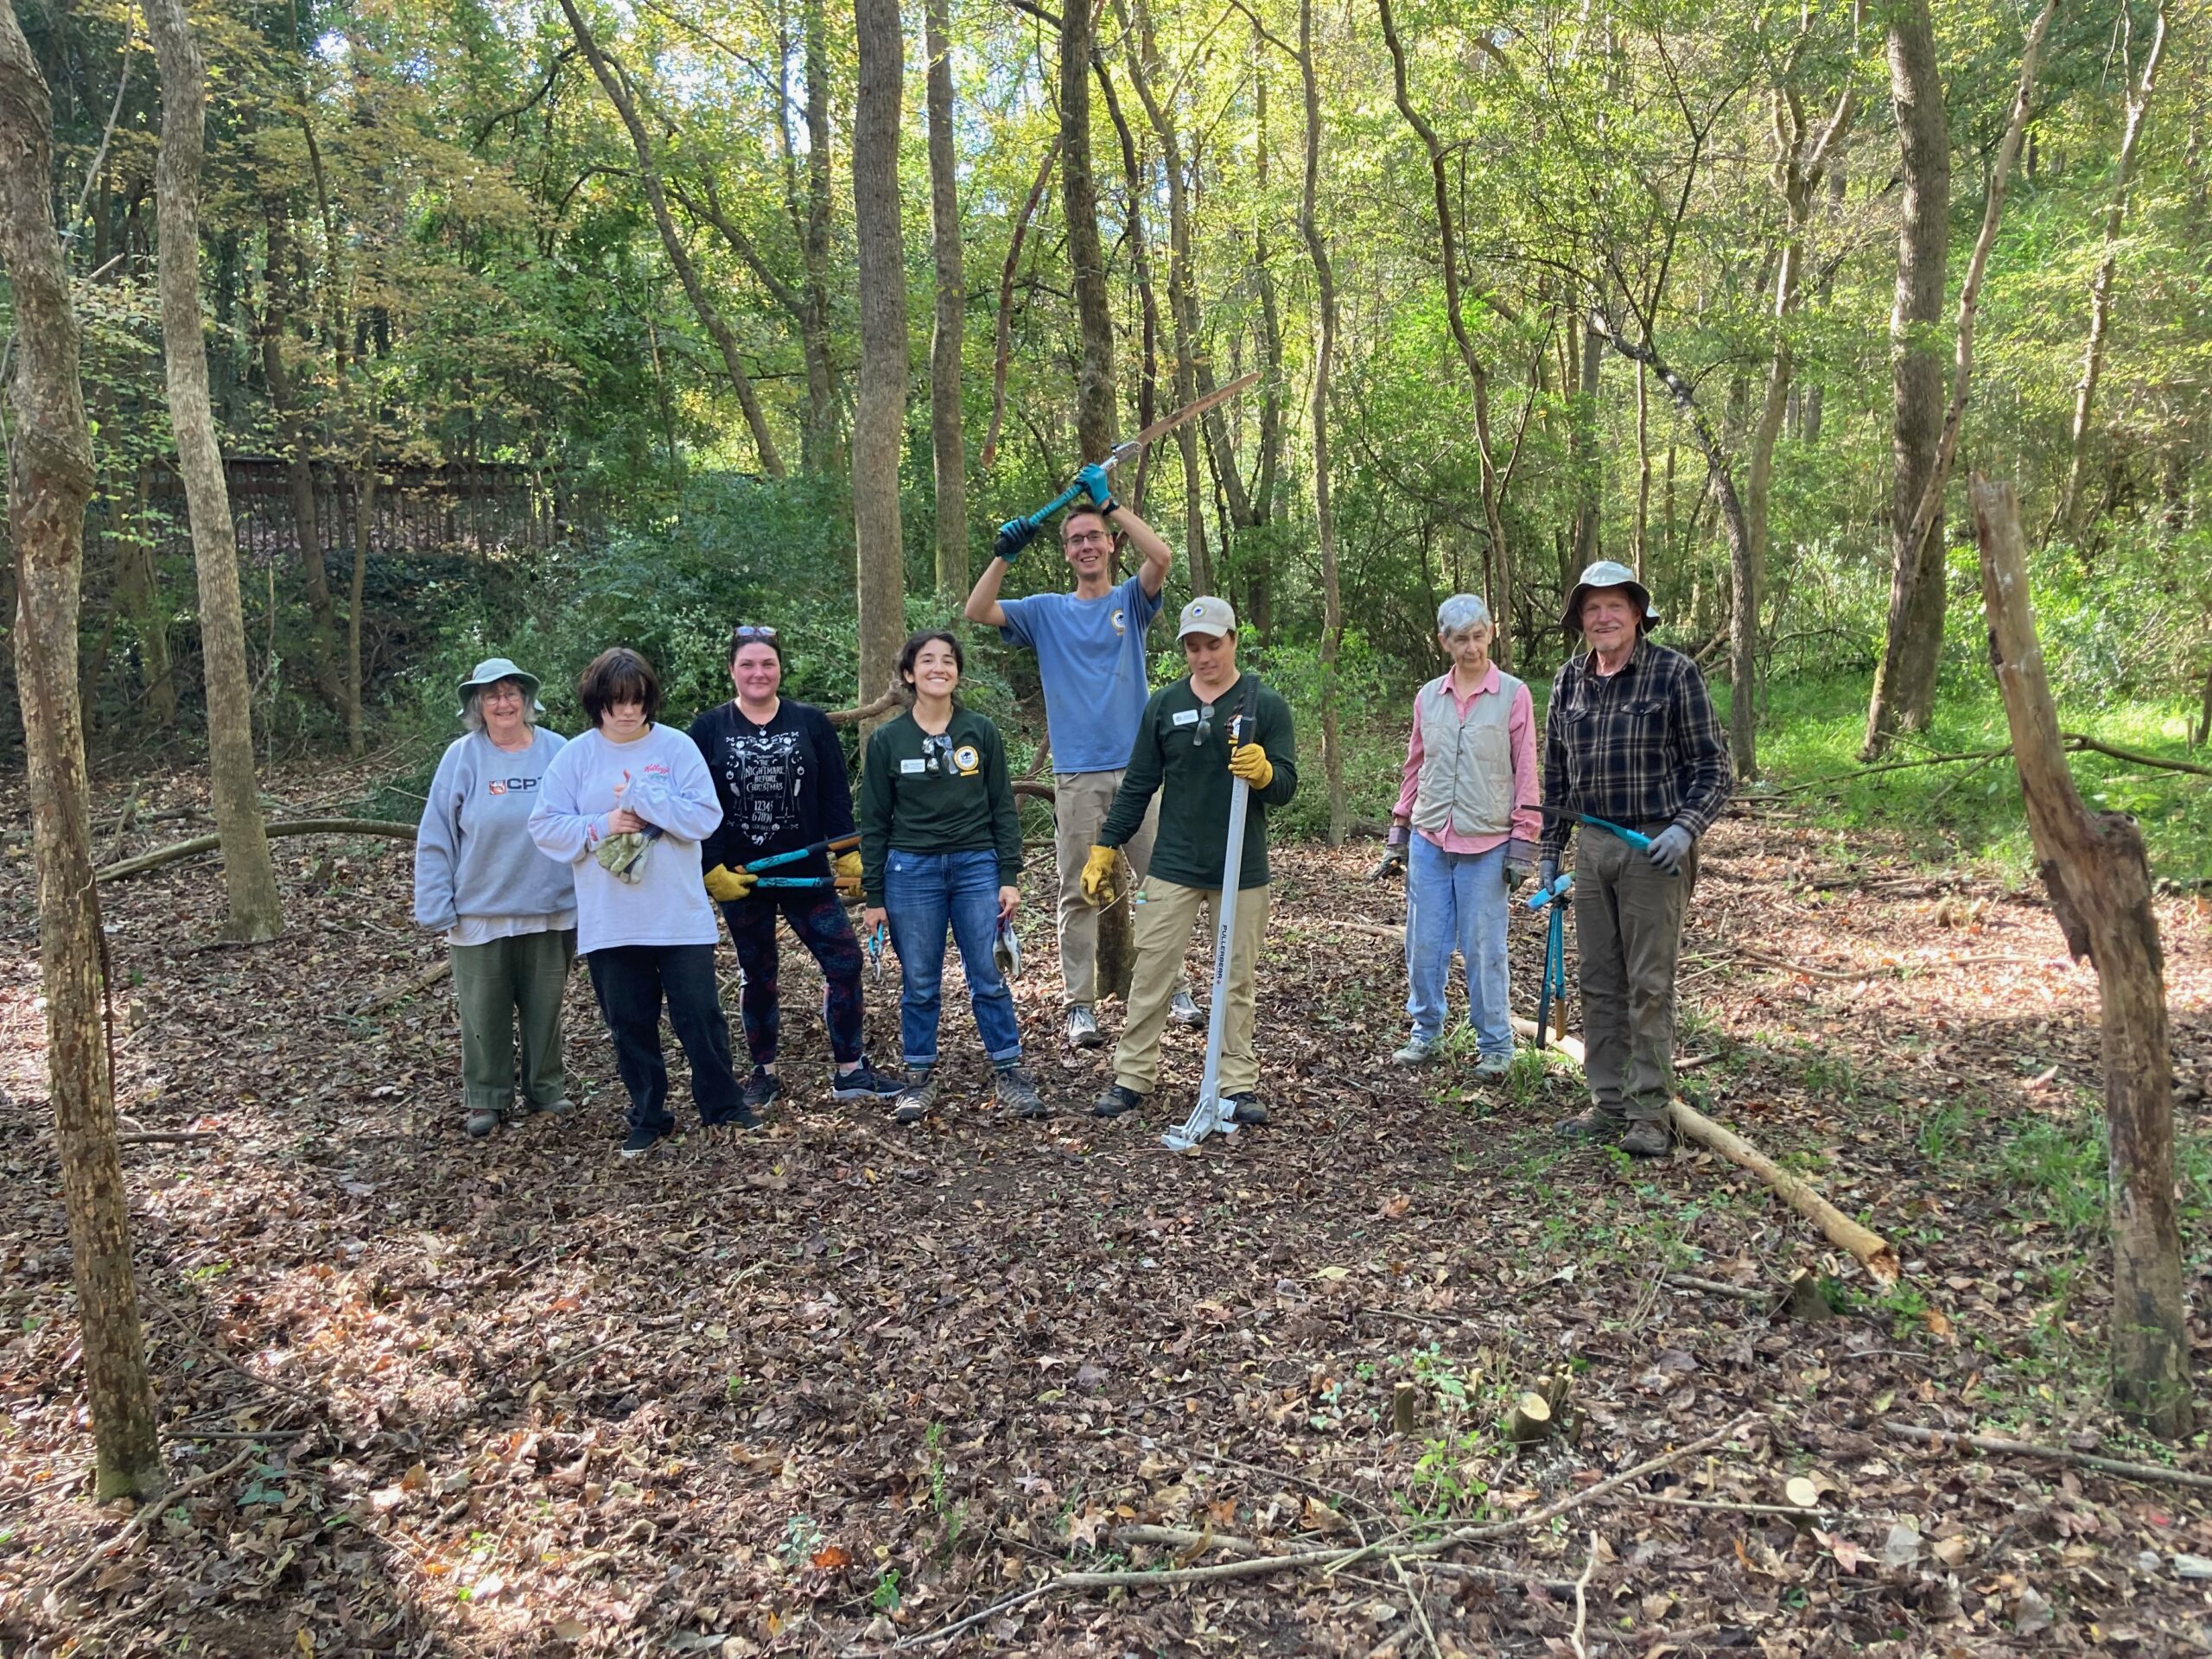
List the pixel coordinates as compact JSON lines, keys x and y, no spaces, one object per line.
{"x":1165,"y":915}
{"x":1628,"y":929}
{"x":1080,"y":801}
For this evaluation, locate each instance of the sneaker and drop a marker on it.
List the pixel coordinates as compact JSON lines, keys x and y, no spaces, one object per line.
{"x":1418,"y":1051}
{"x":917,"y":1098}
{"x":864,"y":1082}
{"x":1017,"y":1093}
{"x":1183,"y":1010}
{"x":1115,"y":1101}
{"x":559,"y":1106}
{"x":1249,"y":1110}
{"x":1083,"y":1026}
{"x":1593,"y":1125}
{"x":760,"y":1090}
{"x":1647,"y":1138}
{"x":481,"y":1121}
{"x":1492,"y":1066}
{"x":641,"y":1141}
{"x":743,"y":1118}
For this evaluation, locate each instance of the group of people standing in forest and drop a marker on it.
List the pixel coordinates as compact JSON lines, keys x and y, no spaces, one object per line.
{"x":622,"y":843}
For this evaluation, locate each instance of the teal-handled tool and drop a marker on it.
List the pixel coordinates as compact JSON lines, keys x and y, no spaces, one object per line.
{"x":1131,"y":448}
{"x":1553,"y":989}
{"x":837,"y":844}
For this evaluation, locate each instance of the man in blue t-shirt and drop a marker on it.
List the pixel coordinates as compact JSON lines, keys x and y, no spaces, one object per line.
{"x":1090,"y":656}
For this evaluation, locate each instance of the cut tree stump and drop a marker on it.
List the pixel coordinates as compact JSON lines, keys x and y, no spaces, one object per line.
{"x":2093,"y":865}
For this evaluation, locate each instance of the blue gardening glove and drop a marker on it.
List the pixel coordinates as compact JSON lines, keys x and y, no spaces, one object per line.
{"x":1547,"y":875}
{"x":1013,"y":535}
{"x":1670,"y":847}
{"x":1093,"y":482}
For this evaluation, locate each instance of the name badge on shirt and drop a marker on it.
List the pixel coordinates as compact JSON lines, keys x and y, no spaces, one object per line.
{"x":1184,"y":717}
{"x":913,"y":765}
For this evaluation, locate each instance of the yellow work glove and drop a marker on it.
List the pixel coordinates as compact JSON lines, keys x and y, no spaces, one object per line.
{"x":725,"y":886}
{"x":1249,"y":761}
{"x":1101,"y":872}
{"x":847,"y":866}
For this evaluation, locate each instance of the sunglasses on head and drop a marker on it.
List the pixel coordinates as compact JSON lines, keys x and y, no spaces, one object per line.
{"x":747,"y":631}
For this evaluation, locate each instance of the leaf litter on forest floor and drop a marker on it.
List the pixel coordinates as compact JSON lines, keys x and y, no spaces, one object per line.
{"x":839,"y":1384}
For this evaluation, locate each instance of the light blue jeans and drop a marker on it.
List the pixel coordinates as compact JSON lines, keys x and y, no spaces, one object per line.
{"x":921,"y":892}
{"x":1457,"y":898}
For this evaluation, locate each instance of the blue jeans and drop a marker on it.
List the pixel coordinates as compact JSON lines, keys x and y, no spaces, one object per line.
{"x":922,"y":891}
{"x":1457,"y":898}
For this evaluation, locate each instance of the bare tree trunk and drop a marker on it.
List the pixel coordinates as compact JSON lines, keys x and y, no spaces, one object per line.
{"x":1093,"y":392}
{"x":1324,"y":518}
{"x":365,"y":519}
{"x":949,"y":462}
{"x":148,"y":614}
{"x":49,"y":480}
{"x":1584,"y":465}
{"x":1904,"y":683}
{"x":710,"y":318}
{"x":256,"y":911}
{"x":2092,"y":357}
{"x":879,"y":415}
{"x":821,"y":411}
{"x":299,"y":470}
{"x":1500,"y":557}
{"x":2098,"y":880}
{"x":1133,"y":170}
{"x":1004,"y":344}
{"x":1640,"y":527}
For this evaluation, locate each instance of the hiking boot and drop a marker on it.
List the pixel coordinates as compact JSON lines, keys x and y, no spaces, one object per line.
{"x":917,"y":1098}
{"x":1593,"y":1125}
{"x":1248,"y":1110}
{"x":1083,"y":1026}
{"x":641,"y":1141}
{"x":1647,"y":1138}
{"x":1183,"y":1010}
{"x":864,"y":1082}
{"x":1115,"y":1101}
{"x":481,"y":1121}
{"x":1493,"y":1066}
{"x":1017,"y":1093}
{"x":559,"y":1106}
{"x":1418,"y":1051}
{"x":760,"y":1090}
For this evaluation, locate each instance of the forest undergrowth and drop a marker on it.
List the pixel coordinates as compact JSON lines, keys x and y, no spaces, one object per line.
{"x":837,"y":1387}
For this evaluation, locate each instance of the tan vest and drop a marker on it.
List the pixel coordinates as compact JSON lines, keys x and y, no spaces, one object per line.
{"x":1466,"y":767}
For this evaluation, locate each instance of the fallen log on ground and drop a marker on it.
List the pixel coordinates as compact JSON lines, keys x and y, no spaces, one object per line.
{"x":198,"y":844}
{"x":422,"y":981}
{"x":1872,"y":1252}
{"x":2121,"y":1467}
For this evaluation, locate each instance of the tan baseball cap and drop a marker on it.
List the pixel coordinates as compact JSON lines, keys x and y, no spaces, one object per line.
{"x":1208,"y":616}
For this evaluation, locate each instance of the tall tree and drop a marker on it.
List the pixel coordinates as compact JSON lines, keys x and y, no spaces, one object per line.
{"x":879,"y":414}
{"x":1904,"y":682}
{"x":687,"y":272}
{"x":1324,"y":518}
{"x":256,"y":911}
{"x":49,"y":480}
{"x":2093,"y":355}
{"x":1093,"y":390}
{"x":299,"y":469}
{"x":948,"y":461}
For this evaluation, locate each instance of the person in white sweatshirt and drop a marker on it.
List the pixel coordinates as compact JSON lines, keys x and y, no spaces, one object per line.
{"x":627,"y":804}
{"x":508,"y":911}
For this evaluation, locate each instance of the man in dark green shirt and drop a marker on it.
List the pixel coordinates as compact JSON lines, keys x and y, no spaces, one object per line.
{"x":1184,"y":753}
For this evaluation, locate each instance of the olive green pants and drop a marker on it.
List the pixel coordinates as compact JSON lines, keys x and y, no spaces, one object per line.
{"x":1628,"y":932}
{"x":511,"y":982}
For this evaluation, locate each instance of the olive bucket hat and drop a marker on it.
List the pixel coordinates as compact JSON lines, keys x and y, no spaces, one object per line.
{"x":1607,"y":573}
{"x":490,"y":671}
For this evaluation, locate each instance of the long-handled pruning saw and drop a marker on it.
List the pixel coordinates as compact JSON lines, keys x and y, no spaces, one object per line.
{"x":1555,"y":898}
{"x":1130,"y":449}
{"x":1208,"y":1116}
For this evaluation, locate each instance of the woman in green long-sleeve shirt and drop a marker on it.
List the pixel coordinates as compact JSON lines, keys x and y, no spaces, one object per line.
{"x":941,"y":842}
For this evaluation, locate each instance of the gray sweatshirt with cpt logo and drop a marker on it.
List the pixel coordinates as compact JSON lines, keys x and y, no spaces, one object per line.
{"x":473,"y":855}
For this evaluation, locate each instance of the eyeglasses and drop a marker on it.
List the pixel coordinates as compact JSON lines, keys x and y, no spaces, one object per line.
{"x":500,"y":694}
{"x":934,"y":747}
{"x":1103,"y":538}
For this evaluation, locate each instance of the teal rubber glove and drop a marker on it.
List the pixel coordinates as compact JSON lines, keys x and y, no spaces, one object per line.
{"x":1013,"y":535}
{"x":1093,"y":482}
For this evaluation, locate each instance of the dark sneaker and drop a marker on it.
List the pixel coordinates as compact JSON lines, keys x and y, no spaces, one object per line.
{"x":1593,"y":1125}
{"x":1017,"y":1093}
{"x":864,"y":1082}
{"x":481,"y":1121}
{"x":1248,"y":1110}
{"x":917,"y":1098}
{"x":1082,"y":1027}
{"x":641,"y":1141}
{"x":1184,"y":1010}
{"x":1647,"y":1138}
{"x":559,"y":1106}
{"x":760,"y":1090}
{"x":743,"y":1118}
{"x":1115,"y":1101}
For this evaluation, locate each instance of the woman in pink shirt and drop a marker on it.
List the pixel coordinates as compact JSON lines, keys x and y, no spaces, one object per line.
{"x":1469,"y":796}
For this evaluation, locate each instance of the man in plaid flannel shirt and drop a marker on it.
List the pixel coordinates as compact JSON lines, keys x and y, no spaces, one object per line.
{"x":1629,"y":737}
